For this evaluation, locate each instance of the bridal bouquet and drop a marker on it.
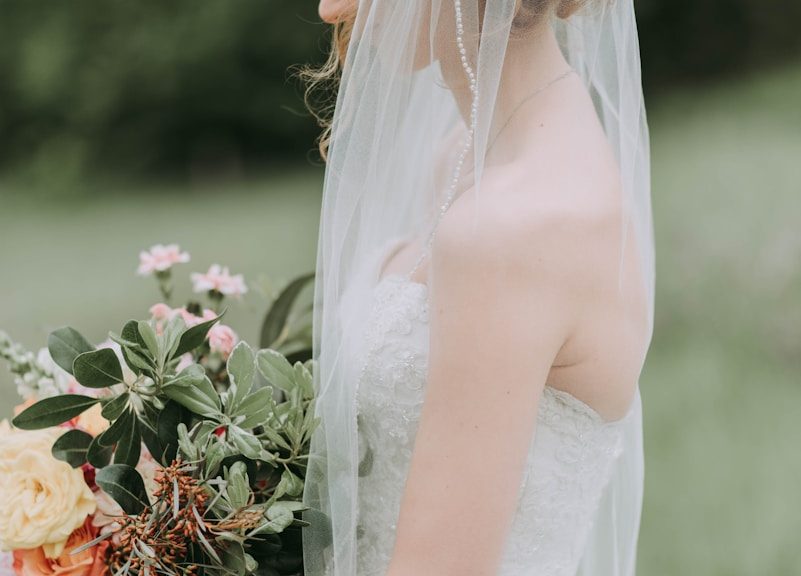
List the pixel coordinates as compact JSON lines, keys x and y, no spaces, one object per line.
{"x":171,"y":448}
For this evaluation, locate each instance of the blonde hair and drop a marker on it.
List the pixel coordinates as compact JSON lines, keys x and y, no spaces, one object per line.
{"x":325,"y":79}
{"x":322,"y":82}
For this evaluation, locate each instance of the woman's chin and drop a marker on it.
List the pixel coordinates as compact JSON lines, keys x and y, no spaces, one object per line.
{"x":332,"y":11}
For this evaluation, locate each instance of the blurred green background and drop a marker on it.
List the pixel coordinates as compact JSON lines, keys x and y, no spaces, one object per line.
{"x":124,"y":124}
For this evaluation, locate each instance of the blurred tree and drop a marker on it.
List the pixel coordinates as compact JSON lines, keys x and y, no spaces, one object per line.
{"x":143,"y":87}
{"x":146,"y":86}
{"x":683,"y":40}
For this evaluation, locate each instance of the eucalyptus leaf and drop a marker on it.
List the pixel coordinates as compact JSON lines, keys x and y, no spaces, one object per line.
{"x":124,"y":484}
{"x":53,"y":411}
{"x":66,"y":344}
{"x":71,"y":447}
{"x":276,"y":369}
{"x":98,"y":368}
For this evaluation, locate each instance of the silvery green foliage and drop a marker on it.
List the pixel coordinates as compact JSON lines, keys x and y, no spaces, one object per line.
{"x":35,"y":375}
{"x":242,"y":430}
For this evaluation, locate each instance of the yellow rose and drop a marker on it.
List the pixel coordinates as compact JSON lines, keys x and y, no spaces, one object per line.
{"x":43,"y":499}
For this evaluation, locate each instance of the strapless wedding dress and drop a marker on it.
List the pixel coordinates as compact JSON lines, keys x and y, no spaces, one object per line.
{"x":568,"y":464}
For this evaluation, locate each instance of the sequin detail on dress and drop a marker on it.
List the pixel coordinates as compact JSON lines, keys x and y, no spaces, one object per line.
{"x":568,"y":464}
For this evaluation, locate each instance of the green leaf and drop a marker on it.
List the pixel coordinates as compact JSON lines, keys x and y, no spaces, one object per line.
{"x":276,"y":438}
{"x":125,"y":485}
{"x":66,"y":344}
{"x":276,"y":318}
{"x":185,"y":443}
{"x":283,"y":507}
{"x":256,"y":408}
{"x":242,"y":370}
{"x":292,"y":484}
{"x":215,"y":454}
{"x":114,"y":408}
{"x":53,"y":411}
{"x":149,"y":337}
{"x":322,"y":524}
{"x":117,"y":430}
{"x":98,"y":455}
{"x":173,"y":330}
{"x":234,"y":559}
{"x":192,"y":375}
{"x":238,"y":487}
{"x":279,"y":518}
{"x":275,"y":369}
{"x":202,"y":398}
{"x":129,"y":445}
{"x":71,"y":447}
{"x":98,"y":369}
{"x":136,"y":362}
{"x":305,"y":379}
{"x":247,"y":444}
{"x":169,"y":418}
{"x":194,"y":336}
{"x":130,"y":333}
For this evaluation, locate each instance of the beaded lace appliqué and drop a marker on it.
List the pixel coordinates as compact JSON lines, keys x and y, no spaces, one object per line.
{"x":569,"y":461}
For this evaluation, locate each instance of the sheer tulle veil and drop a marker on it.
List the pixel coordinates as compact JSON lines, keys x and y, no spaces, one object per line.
{"x":401,"y":133}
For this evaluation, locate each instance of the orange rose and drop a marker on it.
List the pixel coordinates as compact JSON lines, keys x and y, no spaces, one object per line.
{"x":90,"y":562}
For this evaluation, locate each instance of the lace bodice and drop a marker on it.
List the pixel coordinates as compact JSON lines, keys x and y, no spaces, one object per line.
{"x":568,"y":464}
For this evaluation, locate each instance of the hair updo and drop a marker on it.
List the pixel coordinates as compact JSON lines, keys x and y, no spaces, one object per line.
{"x":321,"y":81}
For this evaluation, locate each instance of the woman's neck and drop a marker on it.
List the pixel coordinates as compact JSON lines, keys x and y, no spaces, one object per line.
{"x":531,"y":62}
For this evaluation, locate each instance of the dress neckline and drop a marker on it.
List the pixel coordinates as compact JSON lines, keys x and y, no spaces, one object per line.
{"x":557,"y":394}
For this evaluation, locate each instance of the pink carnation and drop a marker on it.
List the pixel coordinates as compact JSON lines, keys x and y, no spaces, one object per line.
{"x":222,"y":339}
{"x":220,"y":280}
{"x":160,"y":258}
{"x":161,"y":312}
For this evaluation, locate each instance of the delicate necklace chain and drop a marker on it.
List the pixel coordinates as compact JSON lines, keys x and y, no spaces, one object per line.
{"x":536,"y":92}
{"x":450,"y":196}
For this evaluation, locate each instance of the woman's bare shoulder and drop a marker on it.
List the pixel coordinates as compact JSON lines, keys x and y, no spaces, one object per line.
{"x":563,"y":223}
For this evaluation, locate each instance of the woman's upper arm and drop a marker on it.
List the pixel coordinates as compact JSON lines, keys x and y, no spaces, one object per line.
{"x":499,"y":314}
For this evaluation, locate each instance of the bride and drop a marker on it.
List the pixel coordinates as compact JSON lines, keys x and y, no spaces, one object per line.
{"x":484,"y":297}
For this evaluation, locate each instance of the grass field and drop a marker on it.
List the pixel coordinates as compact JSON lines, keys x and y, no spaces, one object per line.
{"x":722,"y":385}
